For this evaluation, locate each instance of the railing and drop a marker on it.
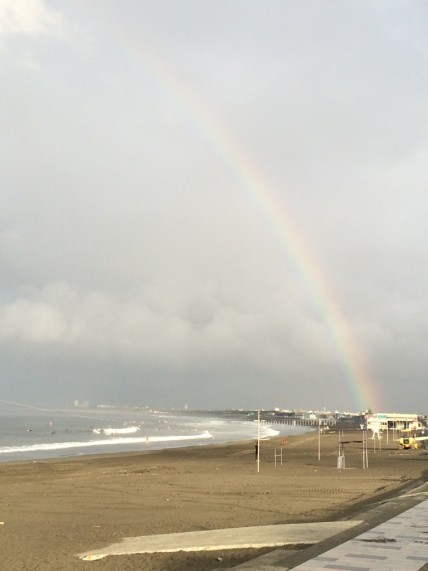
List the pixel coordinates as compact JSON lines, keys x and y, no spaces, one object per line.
{"x":291,"y":422}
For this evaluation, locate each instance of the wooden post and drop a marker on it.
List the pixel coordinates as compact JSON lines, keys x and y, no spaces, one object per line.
{"x":258,"y":441}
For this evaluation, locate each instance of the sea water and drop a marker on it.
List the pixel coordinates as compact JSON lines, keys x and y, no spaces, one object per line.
{"x":37,"y":434}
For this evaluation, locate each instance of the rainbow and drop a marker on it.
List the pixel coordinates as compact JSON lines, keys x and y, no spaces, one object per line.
{"x":360,"y":384}
{"x":357,"y":375}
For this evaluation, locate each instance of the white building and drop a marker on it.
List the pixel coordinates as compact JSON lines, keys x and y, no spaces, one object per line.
{"x":392,"y":421}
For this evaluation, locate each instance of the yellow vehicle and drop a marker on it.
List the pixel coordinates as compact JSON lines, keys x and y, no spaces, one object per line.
{"x":413,"y":438}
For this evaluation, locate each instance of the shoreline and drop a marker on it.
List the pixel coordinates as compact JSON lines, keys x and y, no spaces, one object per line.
{"x":149,"y":446}
{"x":53,"y":509}
{"x":33,"y":437}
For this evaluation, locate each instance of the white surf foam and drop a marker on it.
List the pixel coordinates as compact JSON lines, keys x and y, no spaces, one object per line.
{"x":116,"y":431}
{"x":104,"y":442}
{"x":268,"y":432}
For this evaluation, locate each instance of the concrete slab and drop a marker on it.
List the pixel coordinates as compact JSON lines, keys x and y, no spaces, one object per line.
{"x":219,"y":539}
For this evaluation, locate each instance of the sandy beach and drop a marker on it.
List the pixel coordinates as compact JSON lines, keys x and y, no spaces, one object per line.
{"x":53,"y":510}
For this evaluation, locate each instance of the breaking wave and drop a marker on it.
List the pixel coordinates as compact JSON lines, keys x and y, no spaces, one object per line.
{"x":102,"y":442}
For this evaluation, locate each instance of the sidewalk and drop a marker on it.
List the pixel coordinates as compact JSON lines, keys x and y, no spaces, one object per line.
{"x":400,"y":544}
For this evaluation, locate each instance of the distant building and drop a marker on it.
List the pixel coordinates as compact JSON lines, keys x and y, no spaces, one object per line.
{"x":392,"y":421}
{"x":81,"y":404}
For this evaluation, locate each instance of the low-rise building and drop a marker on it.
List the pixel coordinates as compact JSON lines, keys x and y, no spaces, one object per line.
{"x":392,"y":421}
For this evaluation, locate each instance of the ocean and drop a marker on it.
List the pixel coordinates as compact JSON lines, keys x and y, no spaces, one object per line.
{"x":38,"y":434}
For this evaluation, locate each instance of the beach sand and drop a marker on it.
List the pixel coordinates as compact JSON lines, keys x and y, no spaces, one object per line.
{"x":53,"y":510}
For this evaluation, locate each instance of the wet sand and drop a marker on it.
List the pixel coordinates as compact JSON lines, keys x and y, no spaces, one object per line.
{"x":52,"y":510}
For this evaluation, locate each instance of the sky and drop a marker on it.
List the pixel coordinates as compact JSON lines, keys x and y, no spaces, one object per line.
{"x":211,"y":203}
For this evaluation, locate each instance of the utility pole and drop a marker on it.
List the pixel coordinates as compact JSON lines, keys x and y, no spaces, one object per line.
{"x":258,"y":441}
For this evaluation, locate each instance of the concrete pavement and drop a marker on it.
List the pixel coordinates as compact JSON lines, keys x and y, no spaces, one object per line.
{"x":219,"y":539}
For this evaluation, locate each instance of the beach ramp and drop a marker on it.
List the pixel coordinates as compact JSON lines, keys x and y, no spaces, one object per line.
{"x":219,"y":539}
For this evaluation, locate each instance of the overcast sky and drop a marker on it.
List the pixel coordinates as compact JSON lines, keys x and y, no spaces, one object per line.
{"x":218,"y":203}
